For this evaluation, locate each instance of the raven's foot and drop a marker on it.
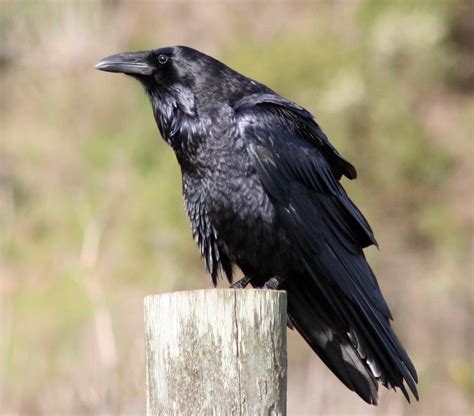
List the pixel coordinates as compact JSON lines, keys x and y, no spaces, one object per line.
{"x":240,"y":284}
{"x":274,"y":283}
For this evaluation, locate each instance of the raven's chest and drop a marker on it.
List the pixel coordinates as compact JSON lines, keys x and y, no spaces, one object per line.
{"x":232,"y":217}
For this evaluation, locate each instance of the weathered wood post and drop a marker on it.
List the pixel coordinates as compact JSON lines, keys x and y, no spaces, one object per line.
{"x":216,"y":352}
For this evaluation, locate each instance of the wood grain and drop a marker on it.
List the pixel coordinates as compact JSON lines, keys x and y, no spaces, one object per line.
{"x":216,"y":352}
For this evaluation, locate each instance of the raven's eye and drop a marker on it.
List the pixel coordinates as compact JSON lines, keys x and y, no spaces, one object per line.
{"x":162,"y":59}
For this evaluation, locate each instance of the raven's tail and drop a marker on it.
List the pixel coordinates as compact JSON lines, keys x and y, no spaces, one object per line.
{"x":344,"y":350}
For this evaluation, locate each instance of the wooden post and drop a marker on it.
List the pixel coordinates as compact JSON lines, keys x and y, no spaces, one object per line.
{"x":216,"y":352}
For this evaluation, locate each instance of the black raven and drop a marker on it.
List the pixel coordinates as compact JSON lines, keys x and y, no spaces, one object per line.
{"x":261,"y":186}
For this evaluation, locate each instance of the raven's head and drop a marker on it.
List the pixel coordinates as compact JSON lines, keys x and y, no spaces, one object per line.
{"x":159,"y":68}
{"x":191,"y":78}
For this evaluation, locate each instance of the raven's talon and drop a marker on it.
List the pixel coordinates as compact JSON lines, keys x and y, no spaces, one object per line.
{"x":240,"y":284}
{"x":274,"y":283}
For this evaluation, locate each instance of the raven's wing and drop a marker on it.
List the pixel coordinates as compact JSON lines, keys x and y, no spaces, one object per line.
{"x":304,"y":125}
{"x":337,"y":304}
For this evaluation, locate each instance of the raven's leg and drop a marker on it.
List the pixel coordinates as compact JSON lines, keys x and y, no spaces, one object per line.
{"x":240,"y":284}
{"x":274,"y":283}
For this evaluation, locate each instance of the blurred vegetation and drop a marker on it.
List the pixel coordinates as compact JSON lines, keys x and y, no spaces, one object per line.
{"x":91,"y":216}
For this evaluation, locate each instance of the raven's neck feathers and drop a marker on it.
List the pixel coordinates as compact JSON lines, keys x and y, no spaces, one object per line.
{"x":171,"y":110}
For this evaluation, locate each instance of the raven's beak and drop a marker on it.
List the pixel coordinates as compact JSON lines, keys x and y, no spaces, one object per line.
{"x":132,"y":63}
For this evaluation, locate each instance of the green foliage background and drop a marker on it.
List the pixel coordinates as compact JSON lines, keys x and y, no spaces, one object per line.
{"x":91,"y":216}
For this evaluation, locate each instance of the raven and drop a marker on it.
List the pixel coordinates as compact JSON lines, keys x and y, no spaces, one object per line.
{"x":261,"y":186}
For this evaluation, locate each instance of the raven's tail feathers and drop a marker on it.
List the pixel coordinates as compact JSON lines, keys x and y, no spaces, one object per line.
{"x":310,"y":318}
{"x":343,"y":351}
